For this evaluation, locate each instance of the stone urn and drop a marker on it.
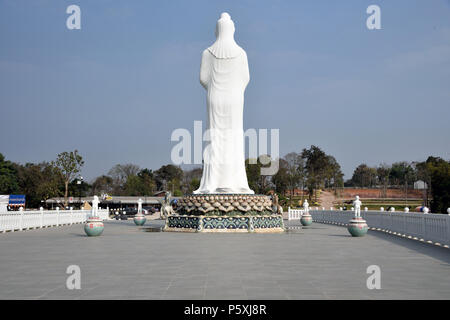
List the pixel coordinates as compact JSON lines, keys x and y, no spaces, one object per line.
{"x":357,"y":227}
{"x":306,"y":218}
{"x":94,"y":226}
{"x":139,"y":219}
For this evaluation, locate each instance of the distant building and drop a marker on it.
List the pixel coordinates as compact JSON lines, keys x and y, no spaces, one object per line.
{"x":112,"y":202}
{"x":420,"y":185}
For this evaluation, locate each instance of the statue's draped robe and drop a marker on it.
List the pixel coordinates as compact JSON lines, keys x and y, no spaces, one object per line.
{"x":225,"y":80}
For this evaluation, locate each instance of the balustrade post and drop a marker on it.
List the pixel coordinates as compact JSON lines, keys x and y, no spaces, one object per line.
{"x":21,"y":219}
{"x":423,"y":227}
{"x":41,"y":209}
{"x":71,"y":215}
{"x":447,"y":237}
{"x":57,"y":216}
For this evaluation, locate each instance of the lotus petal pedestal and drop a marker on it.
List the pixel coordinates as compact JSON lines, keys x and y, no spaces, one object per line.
{"x":225,"y":213}
{"x":357,"y":227}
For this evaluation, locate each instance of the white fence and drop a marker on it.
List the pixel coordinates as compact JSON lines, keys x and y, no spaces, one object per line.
{"x":295,"y":214}
{"x":24,"y":220}
{"x":425,"y":227}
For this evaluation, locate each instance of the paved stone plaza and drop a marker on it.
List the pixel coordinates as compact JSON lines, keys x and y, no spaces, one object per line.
{"x":128,"y":262}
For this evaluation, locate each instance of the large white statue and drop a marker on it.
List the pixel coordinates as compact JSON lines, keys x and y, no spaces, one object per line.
{"x":357,"y":203}
{"x":224,"y":74}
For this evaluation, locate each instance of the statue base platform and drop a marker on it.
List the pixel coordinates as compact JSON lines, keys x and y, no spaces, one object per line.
{"x":247,"y":223}
{"x":225,"y":213}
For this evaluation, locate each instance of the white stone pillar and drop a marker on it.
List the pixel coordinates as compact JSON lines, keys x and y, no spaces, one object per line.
{"x":42,"y":216}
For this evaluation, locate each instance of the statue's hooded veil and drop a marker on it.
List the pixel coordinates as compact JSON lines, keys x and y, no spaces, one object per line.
{"x":225,"y":47}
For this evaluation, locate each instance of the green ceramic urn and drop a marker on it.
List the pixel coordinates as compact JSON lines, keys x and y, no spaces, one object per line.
{"x":139,"y":219}
{"x":306,"y":220}
{"x":94,"y":226}
{"x":357,"y":227}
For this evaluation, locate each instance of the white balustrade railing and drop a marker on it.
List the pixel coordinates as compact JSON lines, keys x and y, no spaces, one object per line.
{"x":426,"y":227}
{"x":24,"y":220}
{"x":295,"y":214}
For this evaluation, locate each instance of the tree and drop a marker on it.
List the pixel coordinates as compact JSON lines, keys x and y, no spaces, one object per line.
{"x":281,"y":179}
{"x":364,"y":176}
{"x":194,"y":185}
{"x":191,"y":180}
{"x":439,"y":171}
{"x":383,"y":172}
{"x":316,"y":162}
{"x":121,"y":172}
{"x":39,"y":182}
{"x":423,"y":173}
{"x":79,"y":190}
{"x":402,"y":173}
{"x":253,"y":171}
{"x":69,"y":163}
{"x":8,"y":177}
{"x":168,"y":177}
{"x":398,"y":173}
{"x":295,"y":166}
{"x":256,"y":181}
{"x":148,"y":181}
{"x":333,"y":174}
{"x":141,"y":184}
{"x":103,"y":185}
{"x":133,"y":186}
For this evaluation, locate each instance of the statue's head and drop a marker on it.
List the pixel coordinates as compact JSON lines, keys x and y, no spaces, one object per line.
{"x":357,"y":197}
{"x":225,"y":26}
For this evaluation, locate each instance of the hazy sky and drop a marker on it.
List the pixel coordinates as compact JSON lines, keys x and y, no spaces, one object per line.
{"x":116,"y":89}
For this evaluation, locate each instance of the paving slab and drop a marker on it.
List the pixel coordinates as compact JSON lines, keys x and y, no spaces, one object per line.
{"x":129,"y":262}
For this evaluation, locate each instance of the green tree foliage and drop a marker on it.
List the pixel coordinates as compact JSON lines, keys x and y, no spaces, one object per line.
{"x":383,"y":172}
{"x":281,"y":179}
{"x":194,"y":185}
{"x":334,"y":178}
{"x":69,"y":163}
{"x":103,"y":185}
{"x":120,"y":174}
{"x":320,"y":168}
{"x":8,"y":177}
{"x":169,"y":178}
{"x":39,"y":182}
{"x":191,"y":180}
{"x":253,"y":172}
{"x":364,"y":176}
{"x":79,"y":189}
{"x":295,"y":166}
{"x":141,"y":184}
{"x":439,"y":173}
{"x":401,"y":173}
{"x":256,"y":181}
